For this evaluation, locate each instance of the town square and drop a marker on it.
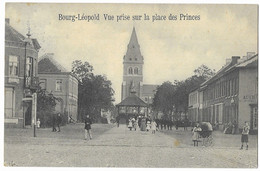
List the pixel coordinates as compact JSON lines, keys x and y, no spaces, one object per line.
{"x":130,"y":85}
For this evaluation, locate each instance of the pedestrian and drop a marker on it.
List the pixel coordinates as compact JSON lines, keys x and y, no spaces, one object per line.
{"x":117,"y":121}
{"x":38,"y":123}
{"x":59,"y":120}
{"x":196,"y":134}
{"x":130,"y":124}
{"x":148,"y":126}
{"x":143,"y":124}
{"x":244,"y":137}
{"x":234,"y":126}
{"x":54,"y":123}
{"x":88,"y":123}
{"x":134,"y":122}
{"x":153,"y":126}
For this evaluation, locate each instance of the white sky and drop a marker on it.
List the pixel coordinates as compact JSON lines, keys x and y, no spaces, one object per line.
{"x":171,"y":49}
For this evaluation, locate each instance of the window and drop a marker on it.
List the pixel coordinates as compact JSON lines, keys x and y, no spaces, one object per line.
{"x":29,"y":66}
{"x":135,"y":59}
{"x":130,"y":70}
{"x":13,"y":65}
{"x":9,"y":102}
{"x":130,"y":59}
{"x":58,"y":85}
{"x":43,"y":84}
{"x":136,"y":71}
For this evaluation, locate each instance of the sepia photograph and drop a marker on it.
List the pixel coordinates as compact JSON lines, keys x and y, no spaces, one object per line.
{"x":130,"y":85}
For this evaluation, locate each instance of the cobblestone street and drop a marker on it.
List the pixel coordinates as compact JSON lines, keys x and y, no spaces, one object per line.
{"x":117,"y":147}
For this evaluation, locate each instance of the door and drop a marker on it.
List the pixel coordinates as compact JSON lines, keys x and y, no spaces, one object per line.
{"x":28,"y":113}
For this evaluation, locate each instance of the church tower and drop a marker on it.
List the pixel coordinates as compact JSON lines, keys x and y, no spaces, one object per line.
{"x":133,"y":69}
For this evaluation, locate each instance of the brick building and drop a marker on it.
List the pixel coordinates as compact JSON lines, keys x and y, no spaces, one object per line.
{"x":230,"y":95}
{"x":21,"y":76}
{"x":62,"y":84}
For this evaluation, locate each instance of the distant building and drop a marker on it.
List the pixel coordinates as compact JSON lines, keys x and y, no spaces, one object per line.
{"x":21,"y":76}
{"x":230,"y":95}
{"x":133,"y":73}
{"x":57,"y":80}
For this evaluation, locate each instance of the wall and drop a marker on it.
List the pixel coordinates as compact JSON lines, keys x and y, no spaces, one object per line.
{"x":247,"y":93}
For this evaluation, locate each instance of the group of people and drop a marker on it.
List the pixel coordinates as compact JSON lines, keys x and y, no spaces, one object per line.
{"x":144,"y":123}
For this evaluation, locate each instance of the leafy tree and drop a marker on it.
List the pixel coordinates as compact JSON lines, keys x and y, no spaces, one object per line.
{"x":174,"y":97}
{"x":204,"y":72}
{"x":46,"y":103}
{"x":163,"y":99}
{"x":94,"y":91}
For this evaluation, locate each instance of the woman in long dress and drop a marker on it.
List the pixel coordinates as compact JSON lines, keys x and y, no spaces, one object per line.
{"x":143,"y":124}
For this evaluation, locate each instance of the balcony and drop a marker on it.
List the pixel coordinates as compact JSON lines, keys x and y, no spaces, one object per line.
{"x":32,"y":83}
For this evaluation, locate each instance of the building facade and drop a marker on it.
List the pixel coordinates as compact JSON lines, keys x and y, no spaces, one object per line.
{"x":62,"y":84}
{"x":21,"y":76}
{"x":133,"y":73}
{"x":230,"y":95}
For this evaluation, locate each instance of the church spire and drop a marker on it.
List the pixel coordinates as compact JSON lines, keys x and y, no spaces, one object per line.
{"x":133,"y":40}
{"x":133,"y":53}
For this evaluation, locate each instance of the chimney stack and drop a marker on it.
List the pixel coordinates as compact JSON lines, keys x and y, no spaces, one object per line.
{"x":235,"y":59}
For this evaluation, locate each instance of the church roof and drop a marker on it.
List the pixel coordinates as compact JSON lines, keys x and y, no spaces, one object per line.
{"x":132,"y":100}
{"x":149,"y":88}
{"x":47,"y":63}
{"x":133,"y":53}
{"x":133,"y":39}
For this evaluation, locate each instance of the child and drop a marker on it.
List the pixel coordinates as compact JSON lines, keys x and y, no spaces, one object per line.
{"x":153,"y":127}
{"x":244,"y":137}
{"x":148,"y":126}
{"x":196,"y":135}
{"x":38,"y":123}
{"x":130,"y":124}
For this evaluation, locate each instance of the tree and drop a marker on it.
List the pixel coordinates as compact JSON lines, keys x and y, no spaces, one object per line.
{"x":204,"y":71}
{"x":163,"y":99}
{"x":94,"y":91}
{"x":46,"y":103}
{"x":175,"y":96}
{"x":81,"y":70}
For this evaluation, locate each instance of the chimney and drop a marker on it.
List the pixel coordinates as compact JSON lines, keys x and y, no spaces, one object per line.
{"x":228,"y":60}
{"x":250,"y":54}
{"x":234,"y":59}
{"x":7,"y":20}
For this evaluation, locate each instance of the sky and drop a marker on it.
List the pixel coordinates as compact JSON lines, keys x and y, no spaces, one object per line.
{"x":172,"y":49}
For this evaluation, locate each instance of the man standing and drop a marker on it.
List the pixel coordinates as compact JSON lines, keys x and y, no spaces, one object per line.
{"x":88,"y":123}
{"x":59,"y":119}
{"x":54,"y":123}
{"x":244,"y":137}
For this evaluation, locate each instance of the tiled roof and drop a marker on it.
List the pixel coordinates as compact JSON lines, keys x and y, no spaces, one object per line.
{"x":12,"y":35}
{"x":132,"y":100}
{"x":47,"y":63}
{"x":149,"y":88}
